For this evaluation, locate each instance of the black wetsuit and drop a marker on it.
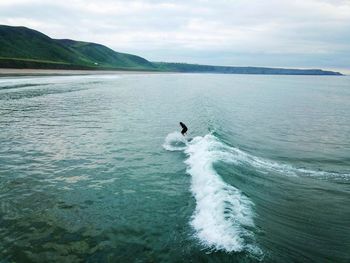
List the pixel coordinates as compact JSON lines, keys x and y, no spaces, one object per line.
{"x":184,"y":128}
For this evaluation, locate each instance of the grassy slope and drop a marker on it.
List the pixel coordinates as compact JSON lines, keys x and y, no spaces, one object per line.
{"x":24,"y":43}
{"x":105,"y":56}
{"x":21,"y":47}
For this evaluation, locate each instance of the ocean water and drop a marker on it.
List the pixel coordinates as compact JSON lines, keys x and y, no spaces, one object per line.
{"x":94,"y":169}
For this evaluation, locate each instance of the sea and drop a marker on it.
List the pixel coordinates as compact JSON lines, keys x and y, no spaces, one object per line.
{"x":93,"y":168}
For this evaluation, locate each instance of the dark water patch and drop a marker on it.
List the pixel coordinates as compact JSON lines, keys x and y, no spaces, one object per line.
{"x":37,"y":93}
{"x":23,"y":86}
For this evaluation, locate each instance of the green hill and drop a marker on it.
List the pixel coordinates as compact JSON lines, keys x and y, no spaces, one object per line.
{"x":105,"y":56}
{"x":21,"y":47}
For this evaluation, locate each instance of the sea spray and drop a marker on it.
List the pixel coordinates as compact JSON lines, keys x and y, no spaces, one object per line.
{"x":175,"y":141}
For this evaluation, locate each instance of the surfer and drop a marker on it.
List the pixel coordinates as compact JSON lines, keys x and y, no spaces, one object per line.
{"x":184,"y":128}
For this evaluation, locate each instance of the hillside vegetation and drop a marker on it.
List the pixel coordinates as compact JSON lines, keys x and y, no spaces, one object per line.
{"x":24,"y":47}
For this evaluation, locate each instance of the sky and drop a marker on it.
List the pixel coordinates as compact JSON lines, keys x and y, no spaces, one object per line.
{"x":270,"y":33}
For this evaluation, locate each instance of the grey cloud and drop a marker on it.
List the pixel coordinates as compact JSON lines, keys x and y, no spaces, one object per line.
{"x":265,"y":33}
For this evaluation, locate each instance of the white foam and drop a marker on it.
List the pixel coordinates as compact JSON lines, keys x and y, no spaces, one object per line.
{"x":267,"y":166}
{"x":239,"y":157}
{"x":39,"y":80}
{"x":223,"y":217}
{"x":223,"y":214}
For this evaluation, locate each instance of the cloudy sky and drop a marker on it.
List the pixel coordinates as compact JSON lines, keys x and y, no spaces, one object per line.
{"x":274,"y":33}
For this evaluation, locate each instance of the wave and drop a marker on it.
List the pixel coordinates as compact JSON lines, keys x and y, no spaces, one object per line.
{"x":23,"y":82}
{"x":266,"y":166}
{"x":223,"y":218}
{"x":16,"y":86}
{"x":175,"y":141}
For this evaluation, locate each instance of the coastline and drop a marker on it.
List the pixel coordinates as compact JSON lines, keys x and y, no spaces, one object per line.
{"x":9,"y":72}
{"x":15,"y":72}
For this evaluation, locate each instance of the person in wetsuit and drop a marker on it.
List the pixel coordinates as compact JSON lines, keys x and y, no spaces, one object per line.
{"x":184,"y":128}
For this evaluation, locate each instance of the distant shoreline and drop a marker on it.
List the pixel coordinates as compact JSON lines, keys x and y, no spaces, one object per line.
{"x":8,"y":72}
{"x":13,"y":72}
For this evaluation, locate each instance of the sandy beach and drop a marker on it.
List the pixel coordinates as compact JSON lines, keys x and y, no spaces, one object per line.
{"x":5,"y":72}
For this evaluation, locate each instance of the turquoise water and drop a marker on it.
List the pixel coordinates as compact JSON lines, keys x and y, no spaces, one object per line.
{"x":94,"y":169}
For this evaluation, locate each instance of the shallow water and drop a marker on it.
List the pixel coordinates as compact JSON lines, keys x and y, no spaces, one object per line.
{"x":92,"y":168}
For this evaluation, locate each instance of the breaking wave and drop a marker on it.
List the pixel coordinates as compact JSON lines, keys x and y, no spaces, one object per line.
{"x":223,"y":218}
